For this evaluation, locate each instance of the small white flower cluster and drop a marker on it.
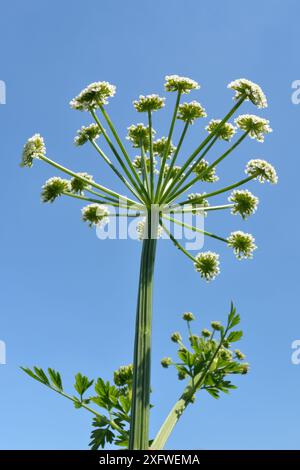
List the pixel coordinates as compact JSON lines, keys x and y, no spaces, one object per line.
{"x":87,"y":133}
{"x":94,"y":95}
{"x":138,"y":163}
{"x":207,"y":264}
{"x":33,"y":148}
{"x":78,"y":185}
{"x":181,"y":84}
{"x":142,"y":230}
{"x":245,"y":203}
{"x":188,"y":112}
{"x":95,"y":214}
{"x":225,"y":132}
{"x":263,"y":170}
{"x":138,"y":134}
{"x":149,"y":103}
{"x":159,"y":147}
{"x":256,"y":126}
{"x":53,"y":188}
{"x":242,"y":243}
{"x":250,"y":90}
{"x":205,"y":175}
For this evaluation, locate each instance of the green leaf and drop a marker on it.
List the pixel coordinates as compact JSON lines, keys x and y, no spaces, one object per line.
{"x":55,"y":379}
{"x":234,"y":336}
{"x":101,"y":435}
{"x":33,"y":375}
{"x":126,"y":404}
{"x":214,"y":392}
{"x":41,"y":374}
{"x":82,"y":383}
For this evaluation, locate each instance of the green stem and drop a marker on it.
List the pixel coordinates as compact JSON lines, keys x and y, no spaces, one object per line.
{"x":176,"y":242}
{"x":195,"y":229}
{"x":223,"y":190}
{"x":211,"y":136}
{"x":166,"y":151}
{"x":85,"y":180}
{"x":174,"y":158}
{"x":185,"y":399}
{"x":115,"y":170}
{"x":206,"y":170}
{"x":179,"y":180}
{"x":151,"y":155}
{"x":83,"y":405}
{"x":144,"y":166}
{"x":139,"y":425}
{"x":191,"y":207}
{"x":138,"y":183}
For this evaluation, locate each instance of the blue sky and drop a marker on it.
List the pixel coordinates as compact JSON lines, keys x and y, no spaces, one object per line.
{"x":67,"y":299}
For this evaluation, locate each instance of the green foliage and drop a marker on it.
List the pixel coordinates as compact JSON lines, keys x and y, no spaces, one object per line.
{"x":209,"y":359}
{"x":111,"y":427}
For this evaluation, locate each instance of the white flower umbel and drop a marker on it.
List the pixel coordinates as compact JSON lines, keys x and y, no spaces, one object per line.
{"x":159,"y":147}
{"x":181,"y":84}
{"x":245,"y":203}
{"x":78,"y":185}
{"x":242,"y":243}
{"x":87,"y":133}
{"x":188,"y":112}
{"x":138,"y":134}
{"x":256,"y":126}
{"x":94,"y":95}
{"x":225,"y":132}
{"x":207,"y":264}
{"x":53,"y":188}
{"x":95,"y":214}
{"x":250,"y":90}
{"x":149,"y":103}
{"x":33,"y":148}
{"x":206,"y":176}
{"x":264,"y":171}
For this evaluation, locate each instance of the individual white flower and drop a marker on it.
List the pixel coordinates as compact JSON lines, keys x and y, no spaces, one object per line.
{"x":225,"y":132}
{"x":87,"y":133}
{"x":95,"y":214}
{"x":78,"y":185}
{"x":34,"y":148}
{"x":256,"y":126}
{"x":138,"y":134}
{"x":142,"y":230}
{"x":149,"y":103}
{"x":138,"y":163}
{"x":181,"y":84}
{"x":242,"y":243}
{"x":53,"y":188}
{"x":250,"y":90}
{"x":207,"y":176}
{"x":264,"y":171}
{"x":94,"y":95}
{"x":159,"y":147}
{"x":188,"y":112}
{"x":245,"y":203}
{"x":207,"y":264}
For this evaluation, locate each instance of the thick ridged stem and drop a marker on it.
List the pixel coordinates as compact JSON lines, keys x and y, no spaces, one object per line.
{"x":139,"y":426}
